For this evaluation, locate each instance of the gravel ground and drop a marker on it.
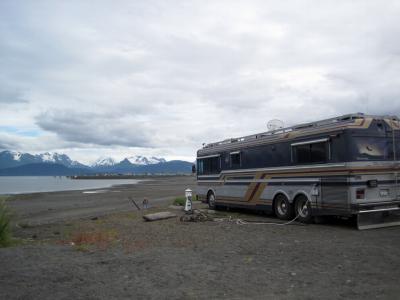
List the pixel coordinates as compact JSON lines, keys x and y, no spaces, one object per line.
{"x":116,"y":255}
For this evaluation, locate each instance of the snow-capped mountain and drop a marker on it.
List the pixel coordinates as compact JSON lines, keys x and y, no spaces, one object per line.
{"x":9,"y":159}
{"x":57,"y":158}
{"x":142,"y":160}
{"x":137,"y":160}
{"x":13,"y":163}
{"x":104,"y":161}
{"x":16,"y":155}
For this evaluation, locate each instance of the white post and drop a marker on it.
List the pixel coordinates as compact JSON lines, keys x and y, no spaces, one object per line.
{"x":188,"y":204}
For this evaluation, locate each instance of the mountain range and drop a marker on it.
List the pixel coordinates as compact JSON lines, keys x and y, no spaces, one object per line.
{"x":14,"y":163}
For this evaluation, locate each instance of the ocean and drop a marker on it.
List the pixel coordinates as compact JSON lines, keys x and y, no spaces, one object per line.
{"x":35,"y":184}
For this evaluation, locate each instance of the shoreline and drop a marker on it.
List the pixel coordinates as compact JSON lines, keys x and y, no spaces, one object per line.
{"x":83,"y":177}
{"x":49,"y":184}
{"x":55,"y":206}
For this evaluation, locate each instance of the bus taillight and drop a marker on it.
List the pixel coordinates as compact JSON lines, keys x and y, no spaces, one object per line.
{"x":360,"y":193}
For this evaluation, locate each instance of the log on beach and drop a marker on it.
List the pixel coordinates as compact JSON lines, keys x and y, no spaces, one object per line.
{"x":159,"y":216}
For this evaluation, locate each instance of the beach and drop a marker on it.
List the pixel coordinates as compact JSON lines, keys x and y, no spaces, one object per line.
{"x":97,"y":246}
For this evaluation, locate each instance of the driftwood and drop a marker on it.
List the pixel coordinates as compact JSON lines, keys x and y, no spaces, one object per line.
{"x":159,"y":216}
{"x":134,"y":203}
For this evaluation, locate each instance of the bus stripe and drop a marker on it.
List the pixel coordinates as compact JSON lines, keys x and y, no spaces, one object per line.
{"x":257,"y":187}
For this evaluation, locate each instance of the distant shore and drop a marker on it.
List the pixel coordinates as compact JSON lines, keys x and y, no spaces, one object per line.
{"x":122,"y":176}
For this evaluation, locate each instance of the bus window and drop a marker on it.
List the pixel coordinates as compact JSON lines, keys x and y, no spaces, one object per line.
{"x":312,"y":152}
{"x":374,"y":148}
{"x":200,"y":166}
{"x":209,"y":165}
{"x":235,"y":159}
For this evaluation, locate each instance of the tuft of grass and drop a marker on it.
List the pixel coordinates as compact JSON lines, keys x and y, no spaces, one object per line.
{"x":179,"y":201}
{"x":82,"y":248}
{"x":5,"y":231}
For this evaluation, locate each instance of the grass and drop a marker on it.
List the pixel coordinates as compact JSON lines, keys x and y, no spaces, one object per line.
{"x":82,"y":248}
{"x":180,"y":201}
{"x":5,"y":231}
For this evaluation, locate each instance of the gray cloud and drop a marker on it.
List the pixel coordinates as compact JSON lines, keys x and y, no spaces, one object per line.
{"x":94,"y":128}
{"x":11,"y":96}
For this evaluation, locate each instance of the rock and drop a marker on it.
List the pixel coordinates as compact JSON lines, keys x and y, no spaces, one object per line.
{"x":159,"y":216}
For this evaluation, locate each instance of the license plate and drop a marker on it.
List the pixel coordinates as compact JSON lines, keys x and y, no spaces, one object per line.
{"x":384,"y":193}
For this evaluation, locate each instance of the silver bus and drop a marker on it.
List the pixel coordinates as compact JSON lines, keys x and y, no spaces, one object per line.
{"x":344,"y":166}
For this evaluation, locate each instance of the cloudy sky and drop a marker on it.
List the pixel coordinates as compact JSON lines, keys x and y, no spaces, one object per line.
{"x":120,"y":78}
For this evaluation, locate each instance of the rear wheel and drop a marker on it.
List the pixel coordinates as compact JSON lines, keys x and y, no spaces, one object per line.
{"x":211,"y":200}
{"x":303,"y":209}
{"x":282,"y":207}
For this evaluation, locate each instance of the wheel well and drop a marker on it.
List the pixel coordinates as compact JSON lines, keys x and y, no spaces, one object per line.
{"x":298,"y":196}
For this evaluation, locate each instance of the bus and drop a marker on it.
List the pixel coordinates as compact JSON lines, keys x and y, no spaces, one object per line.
{"x":343,"y":166}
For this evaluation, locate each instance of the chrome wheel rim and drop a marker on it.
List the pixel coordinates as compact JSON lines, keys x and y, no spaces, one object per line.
{"x":282,"y":207}
{"x":211,"y":200}
{"x":303,"y":209}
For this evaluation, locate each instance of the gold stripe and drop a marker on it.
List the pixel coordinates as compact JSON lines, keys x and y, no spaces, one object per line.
{"x":252,"y":186}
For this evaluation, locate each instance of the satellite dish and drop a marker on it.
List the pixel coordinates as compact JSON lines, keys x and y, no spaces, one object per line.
{"x":275,"y":124}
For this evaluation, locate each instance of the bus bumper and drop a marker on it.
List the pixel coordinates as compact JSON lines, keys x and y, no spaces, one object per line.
{"x":378,"y":217}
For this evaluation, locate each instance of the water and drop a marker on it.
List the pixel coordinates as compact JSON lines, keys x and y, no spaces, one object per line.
{"x":35,"y":184}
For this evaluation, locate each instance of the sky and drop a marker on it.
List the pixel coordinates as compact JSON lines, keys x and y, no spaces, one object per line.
{"x":160,"y":78}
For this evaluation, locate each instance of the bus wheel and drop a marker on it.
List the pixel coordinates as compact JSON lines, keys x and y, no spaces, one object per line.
{"x":282,"y":207}
{"x":211,"y":200}
{"x":303,"y":209}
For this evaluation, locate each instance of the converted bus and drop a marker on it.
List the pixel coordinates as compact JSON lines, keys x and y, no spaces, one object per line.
{"x":344,"y":166}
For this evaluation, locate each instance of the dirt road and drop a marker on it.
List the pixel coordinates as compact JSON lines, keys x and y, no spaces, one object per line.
{"x":119,"y":256}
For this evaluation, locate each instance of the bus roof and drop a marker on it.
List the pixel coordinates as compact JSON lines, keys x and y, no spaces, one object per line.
{"x":305,"y":128}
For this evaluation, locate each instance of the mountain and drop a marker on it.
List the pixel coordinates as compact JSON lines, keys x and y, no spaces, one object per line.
{"x":125,"y":166}
{"x":17,"y":163}
{"x":43,"y":169}
{"x":142,"y":160}
{"x":173,"y":166}
{"x":104,"y":161}
{"x":132,"y":160}
{"x":61,"y":159}
{"x":10,"y":159}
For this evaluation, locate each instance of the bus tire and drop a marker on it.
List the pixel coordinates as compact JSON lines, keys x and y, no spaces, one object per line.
{"x":302,"y":209}
{"x":211,"y":200}
{"x":282,"y":207}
